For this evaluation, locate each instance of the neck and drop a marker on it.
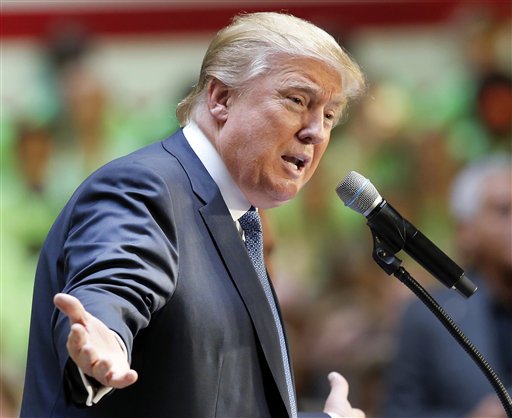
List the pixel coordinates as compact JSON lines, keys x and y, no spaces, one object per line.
{"x":204,"y":123}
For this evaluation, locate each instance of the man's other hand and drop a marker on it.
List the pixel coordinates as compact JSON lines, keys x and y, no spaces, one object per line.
{"x":337,"y":404}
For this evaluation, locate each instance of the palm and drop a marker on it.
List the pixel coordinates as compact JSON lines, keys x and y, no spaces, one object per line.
{"x":93,"y":347}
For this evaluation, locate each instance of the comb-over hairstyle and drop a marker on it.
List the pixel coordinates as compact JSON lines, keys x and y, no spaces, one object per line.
{"x":245,"y":49}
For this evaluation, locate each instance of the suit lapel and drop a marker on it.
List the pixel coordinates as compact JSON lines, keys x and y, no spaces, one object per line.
{"x":232,"y":250}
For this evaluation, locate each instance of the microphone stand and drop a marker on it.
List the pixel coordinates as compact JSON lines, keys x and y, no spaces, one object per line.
{"x":391,"y":264}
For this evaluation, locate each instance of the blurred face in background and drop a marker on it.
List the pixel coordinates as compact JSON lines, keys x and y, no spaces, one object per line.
{"x":489,"y":233}
{"x":34,"y":148}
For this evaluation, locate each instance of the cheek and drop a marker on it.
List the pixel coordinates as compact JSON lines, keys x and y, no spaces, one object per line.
{"x":317,"y":157}
{"x":249,"y":162}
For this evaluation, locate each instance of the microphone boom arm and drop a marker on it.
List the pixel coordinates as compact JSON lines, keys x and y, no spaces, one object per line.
{"x":385,"y":257}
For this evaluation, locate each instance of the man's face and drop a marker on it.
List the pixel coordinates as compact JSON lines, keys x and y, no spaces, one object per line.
{"x":276,"y":132}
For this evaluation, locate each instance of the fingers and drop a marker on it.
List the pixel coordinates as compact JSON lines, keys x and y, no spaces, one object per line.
{"x":105,"y":373}
{"x":71,"y":307}
{"x":107,"y":368}
{"x":121,"y":380}
{"x":93,"y":347}
{"x":77,"y":339}
{"x":79,"y":349}
{"x":339,"y":385}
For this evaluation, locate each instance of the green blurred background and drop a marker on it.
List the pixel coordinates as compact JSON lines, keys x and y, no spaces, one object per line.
{"x":85,"y":82}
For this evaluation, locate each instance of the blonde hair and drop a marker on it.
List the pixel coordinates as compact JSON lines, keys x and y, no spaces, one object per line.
{"x":244,"y":49}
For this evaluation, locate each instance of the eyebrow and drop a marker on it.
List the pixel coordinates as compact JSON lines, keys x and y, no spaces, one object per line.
{"x":311,"y":89}
{"x":337,"y":104}
{"x":303,"y":86}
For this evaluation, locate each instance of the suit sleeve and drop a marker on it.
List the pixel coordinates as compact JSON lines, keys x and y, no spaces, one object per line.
{"x":120,"y":256}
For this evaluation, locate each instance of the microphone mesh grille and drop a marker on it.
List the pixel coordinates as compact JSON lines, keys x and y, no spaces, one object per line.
{"x":357,"y":192}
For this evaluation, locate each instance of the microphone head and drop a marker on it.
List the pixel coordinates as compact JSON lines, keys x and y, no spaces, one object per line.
{"x":358,"y":193}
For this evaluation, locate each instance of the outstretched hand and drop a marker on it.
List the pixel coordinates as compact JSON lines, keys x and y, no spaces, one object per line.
{"x":93,"y":347}
{"x":337,"y":403}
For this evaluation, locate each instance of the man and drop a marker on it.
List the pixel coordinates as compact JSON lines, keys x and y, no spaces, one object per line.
{"x":156,"y":293}
{"x":431,"y":376}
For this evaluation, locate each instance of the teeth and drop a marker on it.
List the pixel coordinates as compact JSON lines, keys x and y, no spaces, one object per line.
{"x":299,"y":163}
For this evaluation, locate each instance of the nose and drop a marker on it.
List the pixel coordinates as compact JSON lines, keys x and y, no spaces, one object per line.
{"x":314,"y":129}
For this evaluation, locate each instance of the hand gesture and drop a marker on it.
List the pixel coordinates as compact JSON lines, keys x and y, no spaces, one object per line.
{"x":93,"y":347}
{"x":337,"y":404}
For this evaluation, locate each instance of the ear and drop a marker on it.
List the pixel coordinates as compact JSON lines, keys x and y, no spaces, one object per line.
{"x":218,"y":99}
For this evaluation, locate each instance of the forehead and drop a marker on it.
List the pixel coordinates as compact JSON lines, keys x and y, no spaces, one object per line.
{"x":308,"y":74}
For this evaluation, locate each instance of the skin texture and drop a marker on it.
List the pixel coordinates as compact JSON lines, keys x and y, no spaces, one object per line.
{"x":283,"y":115}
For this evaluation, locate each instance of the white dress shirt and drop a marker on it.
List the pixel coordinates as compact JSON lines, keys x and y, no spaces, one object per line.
{"x":235,"y":200}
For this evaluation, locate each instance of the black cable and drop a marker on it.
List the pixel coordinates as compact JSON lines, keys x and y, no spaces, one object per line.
{"x":459,"y":336}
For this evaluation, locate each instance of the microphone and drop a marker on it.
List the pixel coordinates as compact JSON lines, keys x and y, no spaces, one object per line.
{"x":359,"y":194}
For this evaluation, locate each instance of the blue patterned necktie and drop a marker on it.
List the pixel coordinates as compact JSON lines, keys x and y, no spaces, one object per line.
{"x":251,"y":225}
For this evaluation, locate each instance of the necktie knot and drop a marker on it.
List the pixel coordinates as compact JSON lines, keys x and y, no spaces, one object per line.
{"x":250,"y":222}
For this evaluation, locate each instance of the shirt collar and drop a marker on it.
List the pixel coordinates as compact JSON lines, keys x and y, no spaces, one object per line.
{"x":235,"y":200}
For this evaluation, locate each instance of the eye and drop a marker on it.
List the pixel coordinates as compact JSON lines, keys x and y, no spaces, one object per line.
{"x":331,"y":118}
{"x":297,"y":100}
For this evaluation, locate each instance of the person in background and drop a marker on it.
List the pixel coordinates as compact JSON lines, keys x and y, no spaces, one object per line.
{"x":27,"y":211}
{"x":494,"y":108}
{"x":430,"y":375}
{"x":162,"y":303}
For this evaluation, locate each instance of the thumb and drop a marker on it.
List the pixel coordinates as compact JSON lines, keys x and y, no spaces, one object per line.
{"x":337,"y":402}
{"x":339,"y":391}
{"x":71,"y":307}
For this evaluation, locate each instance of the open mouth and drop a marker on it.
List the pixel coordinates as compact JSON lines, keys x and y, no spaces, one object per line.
{"x":298,"y":162}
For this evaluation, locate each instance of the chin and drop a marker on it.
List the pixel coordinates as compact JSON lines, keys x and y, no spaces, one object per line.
{"x":267,"y":203}
{"x":274,"y":195}
{"x":270,"y":201}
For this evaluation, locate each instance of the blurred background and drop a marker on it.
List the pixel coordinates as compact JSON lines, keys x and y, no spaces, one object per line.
{"x":85,"y":82}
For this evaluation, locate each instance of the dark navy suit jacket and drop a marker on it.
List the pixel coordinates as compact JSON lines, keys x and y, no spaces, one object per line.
{"x":149,"y":247}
